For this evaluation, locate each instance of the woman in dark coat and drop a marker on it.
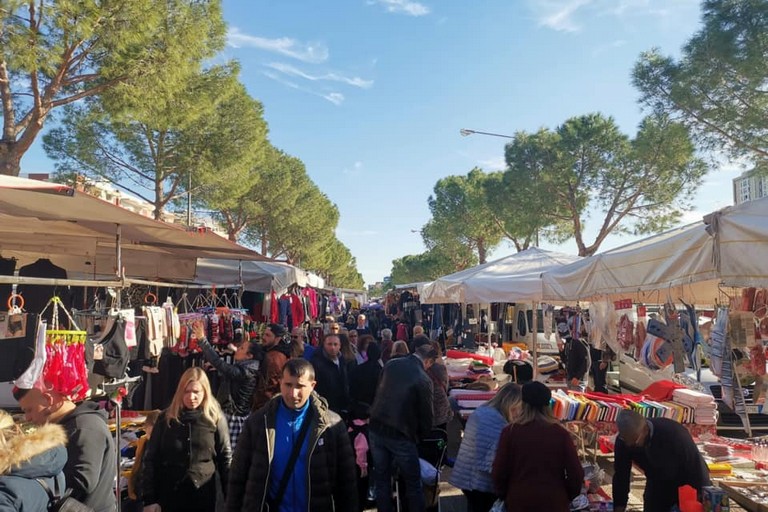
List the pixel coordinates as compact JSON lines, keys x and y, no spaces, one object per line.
{"x":189,"y":444}
{"x":536,"y":468}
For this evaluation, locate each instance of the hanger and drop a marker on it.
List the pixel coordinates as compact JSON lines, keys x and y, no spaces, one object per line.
{"x":15,"y":307}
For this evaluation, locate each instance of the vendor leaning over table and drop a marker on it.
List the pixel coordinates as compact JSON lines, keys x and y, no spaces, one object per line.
{"x":666,"y":453}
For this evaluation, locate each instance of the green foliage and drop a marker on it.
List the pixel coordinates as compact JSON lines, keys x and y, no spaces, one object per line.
{"x":211,"y":131}
{"x":462,"y":219}
{"x":587,"y":166}
{"x":719,"y":87}
{"x":55,"y":53}
{"x":426,"y":266}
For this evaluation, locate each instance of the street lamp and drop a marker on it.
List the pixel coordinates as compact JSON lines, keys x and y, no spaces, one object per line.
{"x":465,"y":133}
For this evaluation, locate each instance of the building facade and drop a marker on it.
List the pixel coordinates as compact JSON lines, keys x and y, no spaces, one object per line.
{"x":749,"y":186}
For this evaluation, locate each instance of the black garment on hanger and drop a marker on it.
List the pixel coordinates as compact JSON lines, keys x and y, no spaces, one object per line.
{"x":18,"y":353}
{"x":7,"y":267}
{"x":37,"y":296}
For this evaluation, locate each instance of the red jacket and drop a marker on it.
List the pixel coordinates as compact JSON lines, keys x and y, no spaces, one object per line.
{"x":537,"y":468}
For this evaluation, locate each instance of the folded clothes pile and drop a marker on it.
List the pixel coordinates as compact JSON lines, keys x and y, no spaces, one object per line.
{"x":703,"y":404}
{"x":716,"y":450}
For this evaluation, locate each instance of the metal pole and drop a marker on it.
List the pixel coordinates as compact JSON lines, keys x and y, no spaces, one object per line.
{"x":189,"y":201}
{"x":119,"y":251}
{"x":535,"y":336}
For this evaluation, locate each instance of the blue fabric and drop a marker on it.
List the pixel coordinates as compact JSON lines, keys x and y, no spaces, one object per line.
{"x":288,"y":424}
{"x":285,"y":309}
{"x":390,"y":453}
{"x":20,"y":491}
{"x":472,"y":469}
{"x":309,"y":350}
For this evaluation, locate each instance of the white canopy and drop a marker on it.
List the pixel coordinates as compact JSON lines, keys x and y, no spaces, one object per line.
{"x":514,"y":278}
{"x":258,"y":276}
{"x":728,"y":248}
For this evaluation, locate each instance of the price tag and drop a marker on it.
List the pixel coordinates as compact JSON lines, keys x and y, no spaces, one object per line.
{"x":472,"y":321}
{"x":753,"y":409}
{"x":623,"y":304}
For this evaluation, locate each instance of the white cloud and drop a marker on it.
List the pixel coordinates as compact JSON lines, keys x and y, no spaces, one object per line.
{"x":402,"y":7}
{"x":558,"y":14}
{"x":493,"y":164}
{"x":334,"y":97}
{"x":314,"y":52}
{"x":334,"y":77}
{"x":569,"y":15}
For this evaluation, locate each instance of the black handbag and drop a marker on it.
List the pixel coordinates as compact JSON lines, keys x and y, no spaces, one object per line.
{"x":63,"y":502}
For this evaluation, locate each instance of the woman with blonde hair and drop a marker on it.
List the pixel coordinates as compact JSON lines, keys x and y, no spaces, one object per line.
{"x":472,"y":470}
{"x":189,"y":444}
{"x":537,"y":467}
{"x":26,"y":457}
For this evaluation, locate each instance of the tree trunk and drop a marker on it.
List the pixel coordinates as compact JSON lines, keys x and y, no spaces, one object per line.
{"x":10,"y":158}
{"x":481,"y":251}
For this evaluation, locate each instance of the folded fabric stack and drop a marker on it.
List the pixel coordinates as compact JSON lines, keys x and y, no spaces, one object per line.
{"x":479,"y":368}
{"x":704,"y":405}
{"x":469,"y":400}
{"x":716,"y":450}
{"x":577,"y":407}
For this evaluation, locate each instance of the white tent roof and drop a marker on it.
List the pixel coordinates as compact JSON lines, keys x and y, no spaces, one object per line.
{"x":686,"y":262}
{"x":78,"y":232}
{"x":258,"y":276}
{"x":514,"y":278}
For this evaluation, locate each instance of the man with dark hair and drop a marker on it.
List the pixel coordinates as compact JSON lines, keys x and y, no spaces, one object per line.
{"x":401,"y":415}
{"x":276,"y":354}
{"x":332,"y":376}
{"x":294,"y":453}
{"x":91,"y":461}
{"x":666,"y":453}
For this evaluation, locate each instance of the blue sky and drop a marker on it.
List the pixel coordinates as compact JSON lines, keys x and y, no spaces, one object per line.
{"x":371,"y":94}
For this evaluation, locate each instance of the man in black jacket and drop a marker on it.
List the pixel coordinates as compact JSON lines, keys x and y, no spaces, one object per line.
{"x":91,"y":461}
{"x":666,"y":453}
{"x":332,"y":376}
{"x":401,"y":415}
{"x":322,"y":477}
{"x":239,"y":380}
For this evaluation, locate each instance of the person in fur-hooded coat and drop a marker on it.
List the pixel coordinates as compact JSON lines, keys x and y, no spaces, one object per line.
{"x":26,"y":457}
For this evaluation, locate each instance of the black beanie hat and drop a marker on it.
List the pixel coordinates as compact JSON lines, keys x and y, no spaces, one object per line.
{"x":536,"y":394}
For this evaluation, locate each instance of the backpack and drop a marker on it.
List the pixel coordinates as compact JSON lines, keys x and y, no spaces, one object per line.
{"x":62,"y":502}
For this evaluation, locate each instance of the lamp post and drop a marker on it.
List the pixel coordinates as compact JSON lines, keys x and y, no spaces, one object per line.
{"x":466,"y":133}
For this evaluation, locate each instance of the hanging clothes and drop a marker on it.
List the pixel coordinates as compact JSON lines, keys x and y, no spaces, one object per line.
{"x":274,"y":308}
{"x":297,"y":311}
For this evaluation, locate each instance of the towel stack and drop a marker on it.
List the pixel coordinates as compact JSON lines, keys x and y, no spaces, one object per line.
{"x":704,"y":405}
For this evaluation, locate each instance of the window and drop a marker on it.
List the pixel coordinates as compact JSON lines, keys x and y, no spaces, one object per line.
{"x":762,"y":186}
{"x":744,"y":194}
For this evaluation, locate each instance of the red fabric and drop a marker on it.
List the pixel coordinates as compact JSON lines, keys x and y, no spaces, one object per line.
{"x":274,"y":311}
{"x":311,"y":296}
{"x":661,"y":390}
{"x":297,"y":310}
{"x":402,"y":332}
{"x":537,"y":468}
{"x":458,"y":354}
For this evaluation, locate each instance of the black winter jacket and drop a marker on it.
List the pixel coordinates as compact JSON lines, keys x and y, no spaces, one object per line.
{"x":332,"y":381}
{"x":363,"y":381}
{"x":577,"y":359}
{"x":91,"y":461}
{"x":403,"y":404}
{"x":332,"y":478}
{"x":239,"y":381}
{"x":187,"y":451}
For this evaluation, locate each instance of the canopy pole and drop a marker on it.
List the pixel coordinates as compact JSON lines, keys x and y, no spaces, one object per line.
{"x":120,"y":273}
{"x":535,"y":338}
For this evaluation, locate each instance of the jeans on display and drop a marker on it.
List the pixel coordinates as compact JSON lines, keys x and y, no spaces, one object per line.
{"x":390,"y":453}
